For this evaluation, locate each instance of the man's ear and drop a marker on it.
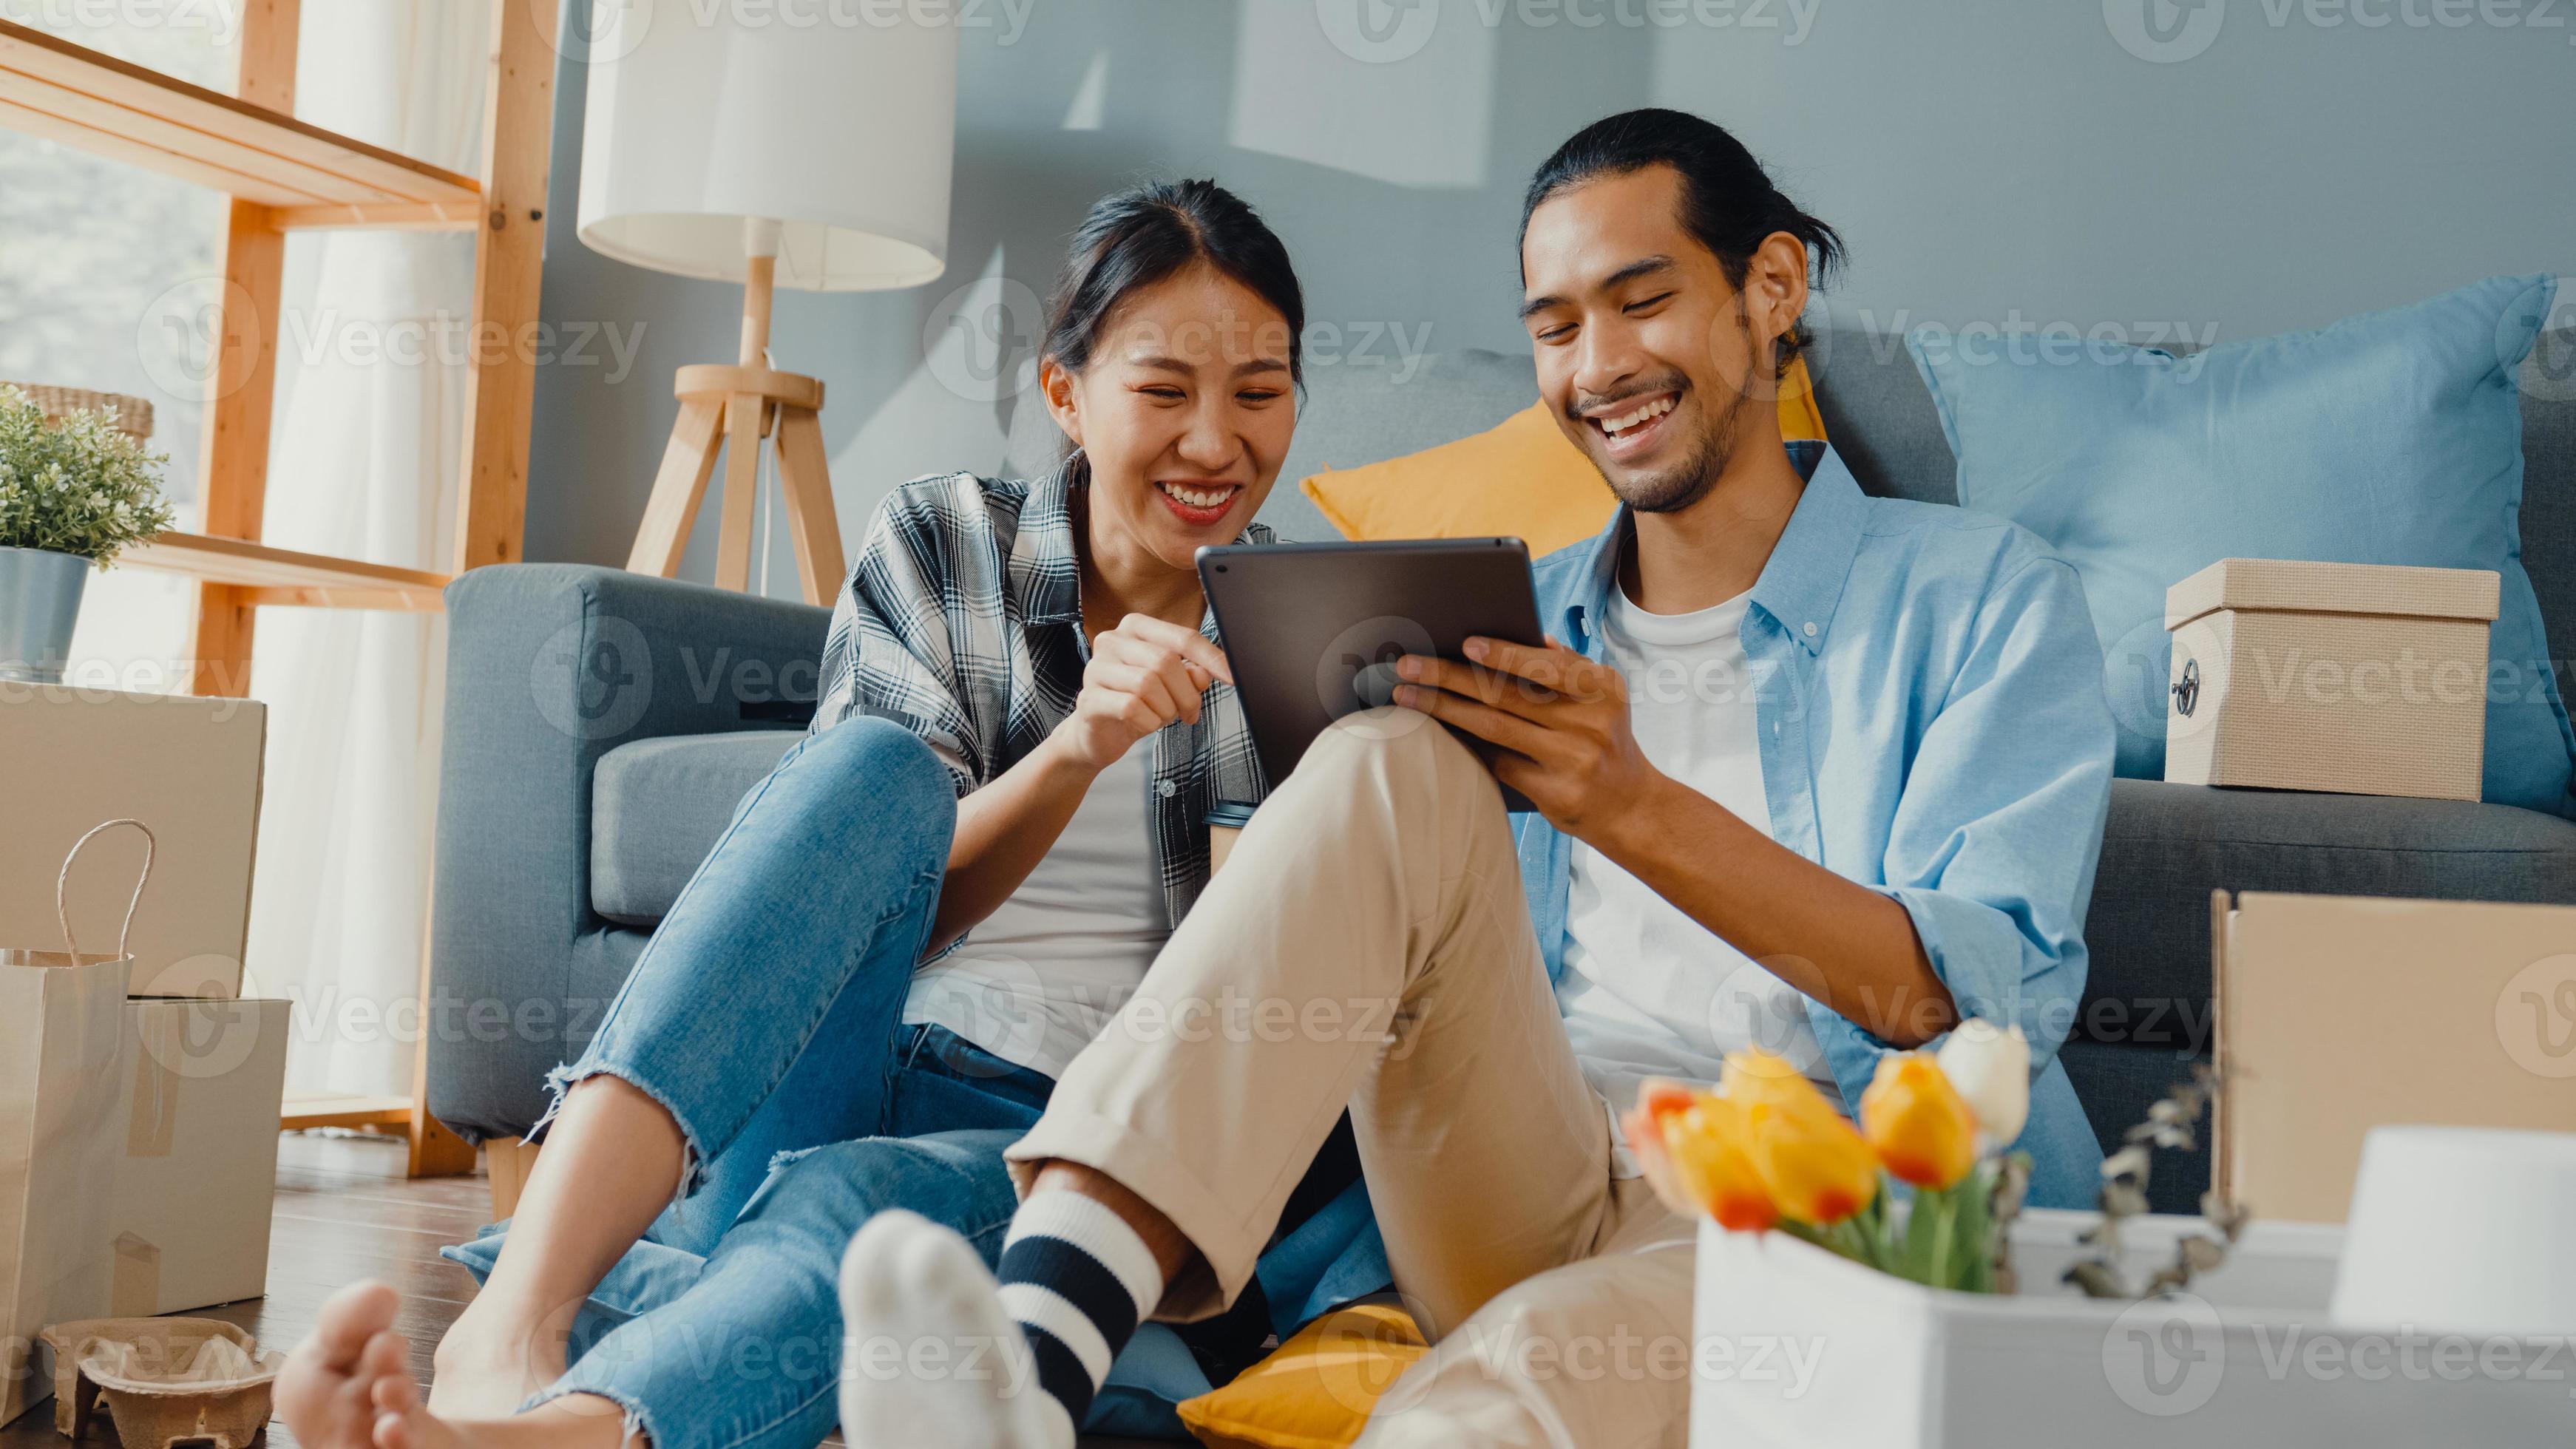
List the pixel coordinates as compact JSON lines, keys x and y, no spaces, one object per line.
{"x":1775,"y":286}
{"x":1055,"y":382}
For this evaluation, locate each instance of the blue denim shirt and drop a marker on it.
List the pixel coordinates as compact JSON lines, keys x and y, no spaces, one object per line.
{"x":1935,"y":729}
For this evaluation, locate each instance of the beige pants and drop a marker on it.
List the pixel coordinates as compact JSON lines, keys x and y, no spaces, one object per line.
{"x":1368,"y":947}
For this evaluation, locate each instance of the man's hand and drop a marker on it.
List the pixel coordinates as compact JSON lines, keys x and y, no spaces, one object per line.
{"x":1558,"y":722}
{"x":1143,"y":675}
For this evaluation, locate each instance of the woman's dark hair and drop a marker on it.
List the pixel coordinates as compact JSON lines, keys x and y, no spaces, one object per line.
{"x":1728,"y":201}
{"x":1137,"y":237}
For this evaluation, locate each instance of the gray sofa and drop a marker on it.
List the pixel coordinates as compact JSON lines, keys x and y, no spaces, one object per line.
{"x":601,"y":727}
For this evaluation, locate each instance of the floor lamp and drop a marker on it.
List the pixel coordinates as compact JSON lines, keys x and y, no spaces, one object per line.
{"x":814,"y":158}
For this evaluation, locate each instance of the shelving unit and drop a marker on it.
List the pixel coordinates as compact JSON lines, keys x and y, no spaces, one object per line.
{"x":284,"y":175}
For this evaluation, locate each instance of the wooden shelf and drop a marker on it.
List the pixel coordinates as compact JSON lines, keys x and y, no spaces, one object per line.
{"x":303,"y":1109}
{"x":283,"y":576}
{"x":69,"y":93}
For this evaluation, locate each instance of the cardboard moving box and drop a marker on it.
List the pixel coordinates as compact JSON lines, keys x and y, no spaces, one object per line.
{"x":187,"y":767}
{"x":2363,"y":679}
{"x":2337,"y":1014}
{"x":194,"y":1193}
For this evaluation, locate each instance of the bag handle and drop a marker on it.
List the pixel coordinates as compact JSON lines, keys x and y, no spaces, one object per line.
{"x":63,"y":885}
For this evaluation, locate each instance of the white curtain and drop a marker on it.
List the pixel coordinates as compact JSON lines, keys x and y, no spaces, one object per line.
{"x":364,"y":464}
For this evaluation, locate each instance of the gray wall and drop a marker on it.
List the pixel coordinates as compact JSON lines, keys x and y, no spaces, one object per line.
{"x":2006,"y":161}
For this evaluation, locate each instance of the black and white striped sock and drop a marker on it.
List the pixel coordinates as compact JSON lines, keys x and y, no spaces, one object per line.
{"x":1078,"y":1280}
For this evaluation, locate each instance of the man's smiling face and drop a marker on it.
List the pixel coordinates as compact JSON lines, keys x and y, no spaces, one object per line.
{"x":1644,"y":348}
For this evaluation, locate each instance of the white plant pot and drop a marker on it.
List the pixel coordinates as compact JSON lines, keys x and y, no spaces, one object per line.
{"x":1800,"y":1349}
{"x":40,"y":598}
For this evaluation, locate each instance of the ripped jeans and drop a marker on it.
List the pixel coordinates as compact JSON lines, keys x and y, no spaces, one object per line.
{"x":766,"y":1017}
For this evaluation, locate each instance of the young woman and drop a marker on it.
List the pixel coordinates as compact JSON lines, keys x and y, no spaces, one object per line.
{"x":868,"y":989}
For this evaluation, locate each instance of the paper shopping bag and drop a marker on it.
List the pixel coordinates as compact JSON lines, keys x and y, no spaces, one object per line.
{"x":63,"y":1105}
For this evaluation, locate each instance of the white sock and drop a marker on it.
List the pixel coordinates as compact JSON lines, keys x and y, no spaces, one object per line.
{"x":928,"y":1353}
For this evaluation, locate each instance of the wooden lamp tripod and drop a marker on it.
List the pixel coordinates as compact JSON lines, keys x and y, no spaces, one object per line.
{"x":732,"y":409}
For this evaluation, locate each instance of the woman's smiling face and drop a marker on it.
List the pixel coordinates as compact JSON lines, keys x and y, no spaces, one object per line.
{"x":1184,"y":411}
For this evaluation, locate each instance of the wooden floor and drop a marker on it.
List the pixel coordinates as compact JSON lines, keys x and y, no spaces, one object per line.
{"x":344,"y":1212}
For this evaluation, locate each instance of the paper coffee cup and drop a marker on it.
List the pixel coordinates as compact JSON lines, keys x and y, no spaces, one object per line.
{"x":1224,"y":823}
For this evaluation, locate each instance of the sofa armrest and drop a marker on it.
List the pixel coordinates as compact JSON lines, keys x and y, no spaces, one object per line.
{"x":550,"y":666}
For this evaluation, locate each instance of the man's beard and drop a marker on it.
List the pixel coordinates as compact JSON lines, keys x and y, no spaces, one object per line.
{"x":1688,"y":482}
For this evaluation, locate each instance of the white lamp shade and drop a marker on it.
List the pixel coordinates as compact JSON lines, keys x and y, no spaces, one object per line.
{"x":841,"y":129}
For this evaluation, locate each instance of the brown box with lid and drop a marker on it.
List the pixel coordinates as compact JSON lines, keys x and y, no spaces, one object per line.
{"x":2361,"y":679}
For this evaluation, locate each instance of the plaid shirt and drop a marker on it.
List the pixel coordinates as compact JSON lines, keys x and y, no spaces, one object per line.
{"x":962,"y":622}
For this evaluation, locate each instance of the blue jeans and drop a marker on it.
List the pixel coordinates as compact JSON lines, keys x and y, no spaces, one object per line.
{"x":765,"y":1016}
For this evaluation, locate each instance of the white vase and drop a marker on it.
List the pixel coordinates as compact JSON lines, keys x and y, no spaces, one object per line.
{"x":40,"y":598}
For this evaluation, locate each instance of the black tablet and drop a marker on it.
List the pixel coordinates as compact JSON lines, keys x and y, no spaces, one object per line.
{"x":1313,"y":630}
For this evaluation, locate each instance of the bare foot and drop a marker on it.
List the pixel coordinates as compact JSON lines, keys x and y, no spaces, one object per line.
{"x":341,"y":1387}
{"x":492,"y":1360}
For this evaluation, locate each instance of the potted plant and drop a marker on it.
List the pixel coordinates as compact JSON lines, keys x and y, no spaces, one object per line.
{"x":74,"y":492}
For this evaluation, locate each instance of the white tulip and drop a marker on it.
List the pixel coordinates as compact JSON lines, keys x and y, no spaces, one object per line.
{"x":1990,"y":1067}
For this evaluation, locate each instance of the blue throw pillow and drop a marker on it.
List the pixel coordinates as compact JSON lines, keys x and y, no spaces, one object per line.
{"x":2391,"y":438}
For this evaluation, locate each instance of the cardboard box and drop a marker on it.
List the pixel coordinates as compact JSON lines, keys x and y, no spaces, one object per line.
{"x":2358,"y":679}
{"x":191,"y":1213}
{"x":188,"y":768}
{"x":2337,"y":1014}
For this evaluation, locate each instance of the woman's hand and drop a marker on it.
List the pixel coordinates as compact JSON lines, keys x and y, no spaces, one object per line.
{"x":1143,"y":675}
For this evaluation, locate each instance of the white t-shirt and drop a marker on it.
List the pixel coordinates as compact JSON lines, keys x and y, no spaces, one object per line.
{"x":1646,"y":990}
{"x":1036,"y":980}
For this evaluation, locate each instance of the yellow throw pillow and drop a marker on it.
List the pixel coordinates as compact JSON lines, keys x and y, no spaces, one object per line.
{"x":1520,"y":478}
{"x":1315,"y":1391}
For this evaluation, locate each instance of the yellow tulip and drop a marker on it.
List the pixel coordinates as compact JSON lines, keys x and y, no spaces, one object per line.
{"x":1812,"y":1163}
{"x":1710,"y":1148}
{"x":1760,"y":1076}
{"x":1917,"y":1122}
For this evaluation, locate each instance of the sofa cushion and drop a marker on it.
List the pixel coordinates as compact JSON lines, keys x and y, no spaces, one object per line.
{"x":2167,"y":846}
{"x":658,"y":807}
{"x":2389,"y":438}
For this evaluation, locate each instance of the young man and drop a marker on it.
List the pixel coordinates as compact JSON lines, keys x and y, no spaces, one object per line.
{"x":1814,"y":771}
